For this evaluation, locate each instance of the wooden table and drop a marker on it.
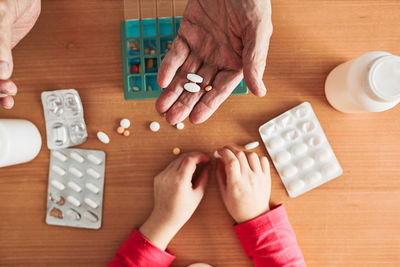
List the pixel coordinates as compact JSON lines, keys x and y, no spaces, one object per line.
{"x":351,"y":221}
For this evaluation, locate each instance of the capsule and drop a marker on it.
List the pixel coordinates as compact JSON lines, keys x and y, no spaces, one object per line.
{"x":91,"y":203}
{"x":73,"y":201}
{"x":60,"y":186}
{"x":252,"y":145}
{"x":94,"y":159}
{"x":77,"y":157}
{"x":57,"y":169}
{"x":75,"y":172}
{"x":74,"y":186}
{"x":60,"y":156}
{"x":93,"y":173}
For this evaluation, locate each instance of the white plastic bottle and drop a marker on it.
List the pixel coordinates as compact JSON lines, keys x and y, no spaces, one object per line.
{"x":369,"y":83}
{"x":20,"y":141}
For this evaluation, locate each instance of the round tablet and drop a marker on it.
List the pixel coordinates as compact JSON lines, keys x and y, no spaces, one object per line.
{"x":275,"y":143}
{"x":103,"y":137}
{"x":282,"y":157}
{"x":306,"y":163}
{"x":180,"y":126}
{"x":176,"y":151}
{"x":191,"y":87}
{"x":296,"y":185}
{"x":125,"y":123}
{"x":289,"y":171}
{"x":313,"y":177}
{"x":322,"y":155}
{"x":154,"y":126}
{"x":299,"y":149}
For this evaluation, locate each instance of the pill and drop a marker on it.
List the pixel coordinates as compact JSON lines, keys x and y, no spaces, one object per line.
{"x":217,"y":155}
{"x":92,"y":188}
{"x":275,"y":143}
{"x":127,"y":133}
{"x":103,"y":137}
{"x":60,"y":186}
{"x":313,"y":177}
{"x":57,"y":169}
{"x":73,"y":201}
{"x":75,"y":172}
{"x":329,"y":170}
{"x":60,"y":156}
{"x":296,"y":185}
{"x":180,"y":126}
{"x":191,"y":87}
{"x":284,"y":120}
{"x":176,"y":151}
{"x":268,"y":129}
{"x":149,"y":63}
{"x":305,"y":163}
{"x":74,"y":186}
{"x":282,"y":157}
{"x":73,"y":214}
{"x":299,"y":149}
{"x":152,"y":52}
{"x":315,"y":141}
{"x":194,"y":78}
{"x":56,"y":213}
{"x":91,"y":203}
{"x":308,"y":126}
{"x":154,"y":126}
{"x":93,"y":173}
{"x":77,"y":157}
{"x":135,"y":89}
{"x":252,"y":145}
{"x":94,"y":159}
{"x":208,"y":88}
{"x":125,"y":123}
{"x":120,"y":130}
{"x":292,"y":135}
{"x":302,"y":112}
{"x":91,"y":216}
{"x":289,"y":171}
{"x":322,"y":155}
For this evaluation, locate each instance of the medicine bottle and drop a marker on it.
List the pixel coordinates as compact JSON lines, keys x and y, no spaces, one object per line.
{"x":369,"y":83}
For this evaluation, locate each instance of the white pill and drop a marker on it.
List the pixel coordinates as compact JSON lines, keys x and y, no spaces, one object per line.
{"x":322,"y":155}
{"x":313,"y":177}
{"x":315,"y":141}
{"x":296,"y":185}
{"x":77,"y":157}
{"x":285,"y":120}
{"x":252,"y":145}
{"x":329,"y":170}
{"x":92,"y":188}
{"x":191,"y":87}
{"x":194,"y":78}
{"x":292,"y":135}
{"x":275,"y":143}
{"x":217,"y":155}
{"x":305,"y":163}
{"x":93,"y":173}
{"x":308,"y":126}
{"x":60,"y":156}
{"x":268,"y":129}
{"x":60,"y":186}
{"x":125,"y":123}
{"x":91,"y":203}
{"x":154,"y":126}
{"x":180,"y":126}
{"x":74,"y":186}
{"x":91,"y":216}
{"x":73,"y":201}
{"x":94,"y":159}
{"x":57,"y":169}
{"x":75,"y":172}
{"x":103,"y":137}
{"x":299,"y":149}
{"x":282,"y":157}
{"x":73,"y":214}
{"x":289,"y":171}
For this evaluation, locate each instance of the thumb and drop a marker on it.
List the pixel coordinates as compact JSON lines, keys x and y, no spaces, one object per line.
{"x":6,"y":20}
{"x":201,"y":183}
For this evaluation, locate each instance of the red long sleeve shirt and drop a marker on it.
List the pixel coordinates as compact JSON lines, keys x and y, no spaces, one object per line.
{"x":268,"y":240}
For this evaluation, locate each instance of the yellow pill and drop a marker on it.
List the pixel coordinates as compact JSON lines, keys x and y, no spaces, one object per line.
{"x":176,"y":151}
{"x":208,"y":88}
{"x":127,"y":133}
{"x":120,"y":130}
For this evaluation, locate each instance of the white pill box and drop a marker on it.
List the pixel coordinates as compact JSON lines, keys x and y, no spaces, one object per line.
{"x":300,"y":150}
{"x":75,"y":189}
{"x":63,"y":112}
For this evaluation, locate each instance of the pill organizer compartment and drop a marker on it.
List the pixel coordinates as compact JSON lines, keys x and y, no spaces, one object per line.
{"x":145,"y":43}
{"x":63,"y":112}
{"x":75,"y":188}
{"x":300,"y":150}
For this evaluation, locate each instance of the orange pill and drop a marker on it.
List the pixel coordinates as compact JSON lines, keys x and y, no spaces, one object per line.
{"x":176,"y":151}
{"x":127,"y":133}
{"x":208,"y":88}
{"x":120,"y":130}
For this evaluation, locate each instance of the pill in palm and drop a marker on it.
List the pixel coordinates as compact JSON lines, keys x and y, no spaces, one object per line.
{"x":191,"y":87}
{"x":180,"y":126}
{"x":125,"y":123}
{"x":194,"y":78}
{"x":176,"y":151}
{"x":208,"y":88}
{"x":252,"y":145}
{"x":154,"y":126}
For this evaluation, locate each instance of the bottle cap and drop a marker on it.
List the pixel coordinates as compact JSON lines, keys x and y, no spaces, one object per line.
{"x":384,"y":78}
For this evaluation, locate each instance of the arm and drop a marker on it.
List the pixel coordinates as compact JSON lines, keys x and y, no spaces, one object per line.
{"x":176,"y":197}
{"x":266,"y":235}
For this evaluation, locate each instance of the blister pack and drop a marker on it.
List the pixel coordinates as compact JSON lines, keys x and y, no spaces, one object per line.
{"x":63,"y":112}
{"x":75,"y":189}
{"x":300,"y":150}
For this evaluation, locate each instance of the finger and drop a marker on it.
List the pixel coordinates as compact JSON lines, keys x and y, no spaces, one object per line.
{"x":221,"y":177}
{"x":7,"y":102}
{"x":265,"y":165}
{"x":241,"y":156}
{"x":7,"y":87}
{"x":254,"y":162}
{"x":174,"y":59}
{"x":189,"y":164}
{"x":6,"y":62}
{"x":231,"y":163}
{"x":202,"y":180}
{"x":223,"y":85}
{"x":185,"y":103}
{"x":256,"y":44}
{"x":175,"y":88}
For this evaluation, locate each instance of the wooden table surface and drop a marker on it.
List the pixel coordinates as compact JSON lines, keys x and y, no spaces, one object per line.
{"x":351,"y":221}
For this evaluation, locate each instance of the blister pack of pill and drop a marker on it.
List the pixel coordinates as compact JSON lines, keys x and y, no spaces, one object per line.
{"x":300,"y":150}
{"x":63,"y":112}
{"x":75,"y":189}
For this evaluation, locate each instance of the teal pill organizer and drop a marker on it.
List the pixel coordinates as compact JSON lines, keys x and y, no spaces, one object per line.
{"x":144,"y":45}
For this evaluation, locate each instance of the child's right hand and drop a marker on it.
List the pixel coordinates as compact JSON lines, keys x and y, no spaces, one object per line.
{"x":245,"y":183}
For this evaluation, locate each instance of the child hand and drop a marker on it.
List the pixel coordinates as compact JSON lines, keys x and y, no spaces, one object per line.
{"x":245,"y":183}
{"x":176,"y":197}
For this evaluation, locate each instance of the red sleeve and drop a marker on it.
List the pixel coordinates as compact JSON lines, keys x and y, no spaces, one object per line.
{"x":269,"y":240}
{"x":137,"y":251}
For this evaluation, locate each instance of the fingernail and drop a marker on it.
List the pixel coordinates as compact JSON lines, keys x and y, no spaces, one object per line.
{"x":4,"y":70}
{"x":3,"y":95}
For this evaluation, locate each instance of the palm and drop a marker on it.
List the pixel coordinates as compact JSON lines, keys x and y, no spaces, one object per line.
{"x":219,"y":41}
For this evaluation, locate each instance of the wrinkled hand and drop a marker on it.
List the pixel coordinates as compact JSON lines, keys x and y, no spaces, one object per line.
{"x":221,"y":40}
{"x":176,"y":197}
{"x":17,"y":18}
{"x":244,"y":180}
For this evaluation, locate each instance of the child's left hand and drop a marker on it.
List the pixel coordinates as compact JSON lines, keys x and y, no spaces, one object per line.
{"x":176,"y":197}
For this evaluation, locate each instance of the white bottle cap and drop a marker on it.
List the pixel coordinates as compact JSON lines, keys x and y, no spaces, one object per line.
{"x":384,"y":78}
